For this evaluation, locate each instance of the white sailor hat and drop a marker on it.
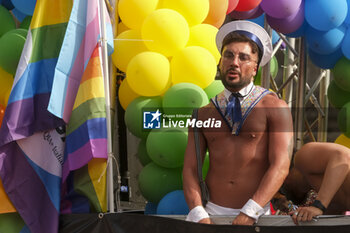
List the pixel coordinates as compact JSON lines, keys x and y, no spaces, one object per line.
{"x":253,"y":31}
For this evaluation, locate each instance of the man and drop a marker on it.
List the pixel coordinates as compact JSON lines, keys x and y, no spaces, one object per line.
{"x":250,"y":154}
{"x":325,"y":168}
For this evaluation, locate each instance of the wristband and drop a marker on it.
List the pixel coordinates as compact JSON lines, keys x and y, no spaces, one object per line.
{"x":196,"y":214}
{"x":253,"y":209}
{"x":318,"y":204}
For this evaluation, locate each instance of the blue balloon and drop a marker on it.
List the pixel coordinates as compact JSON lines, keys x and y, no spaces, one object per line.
{"x":173,"y":203}
{"x":300,"y":31}
{"x":18,"y":14}
{"x":325,"y":14}
{"x":325,"y":61}
{"x":345,"y":47}
{"x":151,"y":208}
{"x":25,"y":6}
{"x":347,"y":19}
{"x":325,"y":42}
{"x":8,"y":4}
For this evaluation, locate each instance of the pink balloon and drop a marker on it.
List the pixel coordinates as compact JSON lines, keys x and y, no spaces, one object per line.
{"x":231,"y":5}
{"x":280,"y":8}
{"x":254,"y":13}
{"x":289,"y":24}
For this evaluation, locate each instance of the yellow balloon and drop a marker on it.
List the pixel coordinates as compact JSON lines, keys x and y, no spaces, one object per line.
{"x":126,"y":94}
{"x":165,"y":31}
{"x":343,"y":140}
{"x":194,"y":11}
{"x":133,"y":12}
{"x":204,"y":35}
{"x":148,"y":74}
{"x":6,"y":81}
{"x":193,"y":64}
{"x":126,"y":46}
{"x":121,"y":27}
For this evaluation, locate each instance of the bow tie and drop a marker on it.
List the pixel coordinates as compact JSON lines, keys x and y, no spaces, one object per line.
{"x":233,"y":108}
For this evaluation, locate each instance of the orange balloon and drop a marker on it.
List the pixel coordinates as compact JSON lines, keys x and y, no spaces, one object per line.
{"x":217,"y":12}
{"x":2,"y":113}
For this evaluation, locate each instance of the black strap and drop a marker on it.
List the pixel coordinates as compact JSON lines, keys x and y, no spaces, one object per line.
{"x":203,"y":186}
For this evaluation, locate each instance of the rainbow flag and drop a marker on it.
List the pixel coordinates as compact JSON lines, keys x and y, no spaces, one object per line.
{"x":78,"y":96}
{"x":31,"y":138}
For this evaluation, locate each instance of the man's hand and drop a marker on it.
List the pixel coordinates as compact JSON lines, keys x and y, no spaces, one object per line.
{"x":303,"y":214}
{"x":206,"y":221}
{"x":243,"y":219}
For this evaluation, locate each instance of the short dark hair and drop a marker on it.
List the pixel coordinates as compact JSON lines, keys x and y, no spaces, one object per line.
{"x":237,"y":37}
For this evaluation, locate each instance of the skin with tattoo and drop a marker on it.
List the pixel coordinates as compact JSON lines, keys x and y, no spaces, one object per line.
{"x":324,"y":167}
{"x":252,"y":165}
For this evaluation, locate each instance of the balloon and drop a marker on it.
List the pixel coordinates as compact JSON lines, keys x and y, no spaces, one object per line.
{"x":280,"y":8}
{"x":194,"y":11}
{"x":325,"y":61}
{"x":18,"y":15}
{"x":232,"y":4}
{"x":129,"y":9}
{"x":166,"y":146}
{"x":2,"y":113}
{"x":325,"y":42}
{"x":300,"y":31}
{"x":126,"y":94}
{"x":6,"y":81}
{"x":26,"y":22}
{"x":127,"y":45}
{"x":214,"y":88}
{"x":273,"y":71}
{"x":217,"y":12}
{"x":150,"y":208}
{"x":142,"y":153}
{"x":8,"y":4}
{"x":148,"y":74}
{"x":25,"y":6}
{"x":344,"y":119}
{"x":324,"y":15}
{"x":134,"y":114}
{"x":7,"y":22}
{"x":121,"y":27}
{"x":156,"y":181}
{"x":251,"y":14}
{"x":204,"y":35}
{"x":343,"y":140}
{"x":345,"y":46}
{"x":347,"y":19}
{"x":173,"y":203}
{"x":246,"y":5}
{"x":341,"y":73}
{"x":195,"y":65}
{"x":165,"y":31}
{"x":11,"y":45}
{"x":337,"y":96}
{"x":182,"y":98}
{"x":288,"y":24}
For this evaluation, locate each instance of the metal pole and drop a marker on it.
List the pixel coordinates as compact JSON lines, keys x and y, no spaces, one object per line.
{"x":110,"y":195}
{"x":299,"y":117}
{"x":288,"y":70}
{"x":265,"y":71}
{"x":323,"y":120}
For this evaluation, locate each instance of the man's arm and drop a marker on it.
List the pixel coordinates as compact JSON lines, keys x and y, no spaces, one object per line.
{"x":325,"y":166}
{"x":191,"y":186}
{"x":280,"y":146}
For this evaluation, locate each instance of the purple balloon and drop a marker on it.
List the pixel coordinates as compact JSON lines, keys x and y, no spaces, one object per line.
{"x":289,"y":24}
{"x":280,"y":8}
{"x":254,"y":13}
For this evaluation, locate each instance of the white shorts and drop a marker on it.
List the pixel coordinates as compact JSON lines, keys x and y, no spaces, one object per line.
{"x":213,"y":209}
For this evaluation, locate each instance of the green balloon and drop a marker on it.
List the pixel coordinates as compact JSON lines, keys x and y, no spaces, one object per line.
{"x":26,"y":22}
{"x":7,"y":23}
{"x":337,"y":96}
{"x":214,"y":88}
{"x":344,"y":119}
{"x":11,"y":222}
{"x":205,"y":166}
{"x":142,"y":153}
{"x":134,"y":114}
{"x":166,"y":146}
{"x":11,"y":46}
{"x":156,"y":181}
{"x":273,"y":71}
{"x":341,"y":72}
{"x":182,"y":98}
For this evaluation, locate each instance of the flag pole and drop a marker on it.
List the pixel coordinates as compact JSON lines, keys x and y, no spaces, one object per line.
{"x":110,"y":194}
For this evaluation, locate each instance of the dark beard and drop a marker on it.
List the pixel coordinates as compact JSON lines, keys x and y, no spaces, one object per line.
{"x":236,"y":86}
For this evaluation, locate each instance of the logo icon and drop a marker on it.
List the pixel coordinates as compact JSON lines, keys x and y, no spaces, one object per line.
{"x":151,"y":120}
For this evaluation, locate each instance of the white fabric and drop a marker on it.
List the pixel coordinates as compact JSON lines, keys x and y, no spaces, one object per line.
{"x":243,"y":25}
{"x":196,"y":214}
{"x":244,"y":92}
{"x":253,"y":209}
